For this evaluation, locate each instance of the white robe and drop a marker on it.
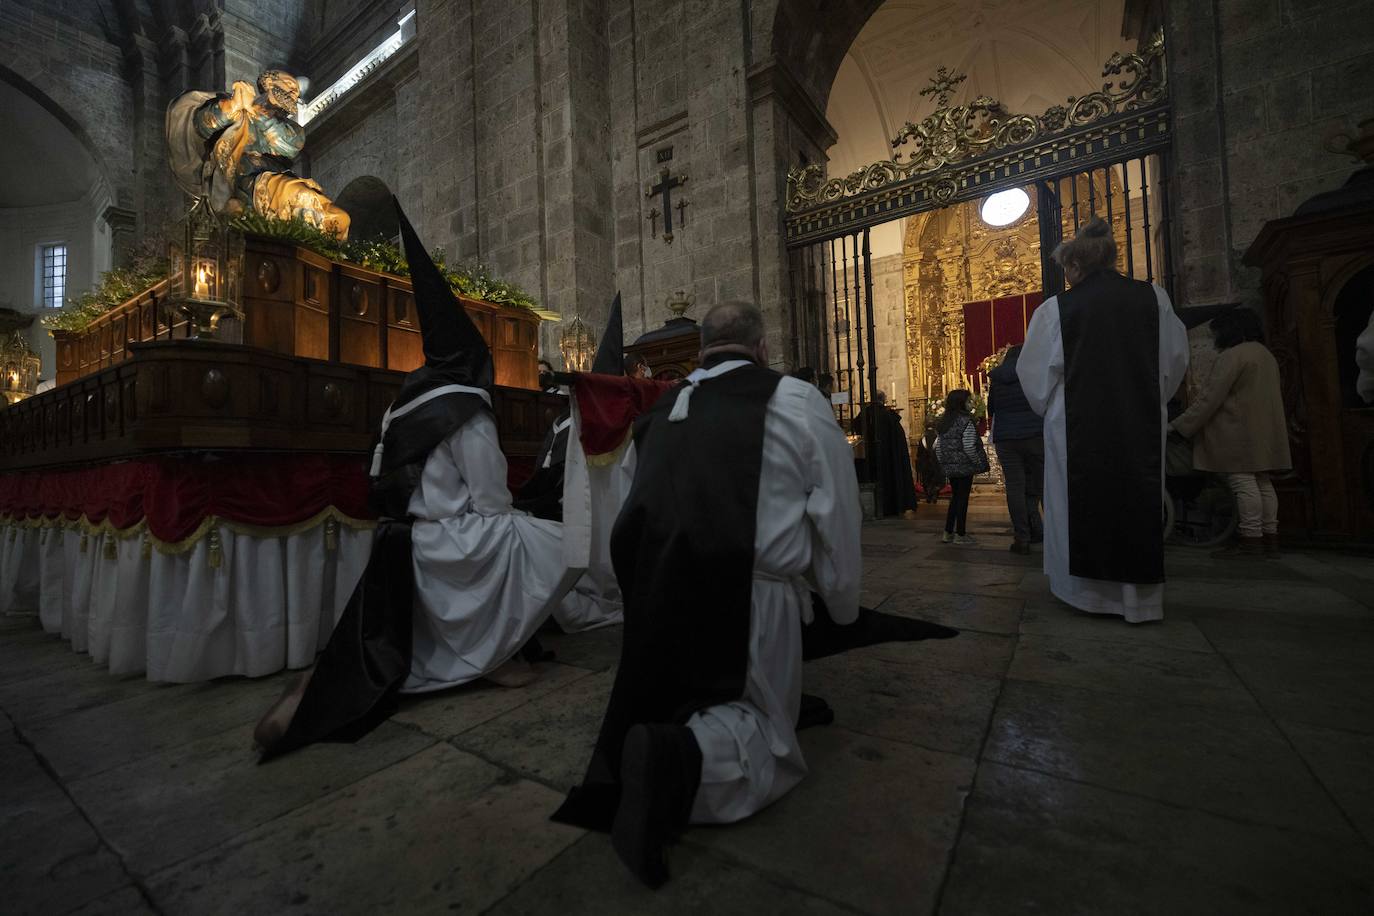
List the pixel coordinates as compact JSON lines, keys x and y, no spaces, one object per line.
{"x":807,"y":536}
{"x":486,"y":575}
{"x":1041,"y":371}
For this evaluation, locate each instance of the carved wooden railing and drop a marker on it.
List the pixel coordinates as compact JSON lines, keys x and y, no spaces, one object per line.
{"x":191,"y":395}
{"x":298,"y":303}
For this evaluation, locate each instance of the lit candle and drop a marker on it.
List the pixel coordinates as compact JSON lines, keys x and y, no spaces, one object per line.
{"x":203,"y":274}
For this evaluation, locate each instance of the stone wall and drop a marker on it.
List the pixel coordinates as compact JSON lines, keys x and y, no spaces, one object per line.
{"x":1258,"y":86}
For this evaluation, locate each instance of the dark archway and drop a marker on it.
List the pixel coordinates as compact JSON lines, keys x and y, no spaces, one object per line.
{"x":368,"y":202}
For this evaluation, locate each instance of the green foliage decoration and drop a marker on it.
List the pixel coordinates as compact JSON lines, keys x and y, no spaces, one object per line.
{"x":115,"y":286}
{"x":121,"y":284}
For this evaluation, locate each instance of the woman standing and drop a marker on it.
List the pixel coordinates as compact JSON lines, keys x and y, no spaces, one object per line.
{"x":928,"y":466}
{"x":961,"y":456}
{"x":1238,"y":429}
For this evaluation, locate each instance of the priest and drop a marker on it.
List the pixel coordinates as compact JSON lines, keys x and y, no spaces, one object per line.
{"x":890,"y":466}
{"x":744,"y":499}
{"x":458,"y":581}
{"x":1100,"y":363}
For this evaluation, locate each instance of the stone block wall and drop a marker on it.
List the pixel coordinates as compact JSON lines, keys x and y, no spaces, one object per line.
{"x":1259,"y":87}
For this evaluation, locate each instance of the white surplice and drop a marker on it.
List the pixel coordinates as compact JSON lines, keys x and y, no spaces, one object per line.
{"x":807,"y":537}
{"x":1041,"y":371}
{"x":486,"y":575}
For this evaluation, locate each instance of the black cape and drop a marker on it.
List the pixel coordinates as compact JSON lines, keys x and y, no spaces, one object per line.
{"x":890,"y":467}
{"x":685,"y":644}
{"x":367,"y":658}
{"x":1110,"y":330}
{"x":542,"y":495}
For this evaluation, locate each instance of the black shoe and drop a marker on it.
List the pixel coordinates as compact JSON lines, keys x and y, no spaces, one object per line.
{"x":660,"y":770}
{"x":1021,"y":548}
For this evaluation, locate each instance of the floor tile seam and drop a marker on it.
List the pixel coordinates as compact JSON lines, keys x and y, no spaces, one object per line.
{"x":777,"y":879}
{"x":586,"y":672}
{"x":506,"y":767}
{"x":1191,"y":704}
{"x":1231,"y":713}
{"x":147,"y":756}
{"x":1118,"y":642}
{"x":1358,"y":837}
{"x":232,"y":840}
{"x":134,"y":879}
{"x":532,"y":876}
{"x":1353,"y":732}
{"x":931,"y":666}
{"x":1326,"y":790}
{"x":855,"y":730}
{"x":952,"y":857}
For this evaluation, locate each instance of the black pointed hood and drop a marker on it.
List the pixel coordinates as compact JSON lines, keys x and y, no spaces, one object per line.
{"x":610,"y":353}
{"x":428,"y":409}
{"x":455,"y":353}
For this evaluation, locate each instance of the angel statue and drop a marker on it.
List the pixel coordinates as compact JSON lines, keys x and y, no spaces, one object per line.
{"x":236,"y":148}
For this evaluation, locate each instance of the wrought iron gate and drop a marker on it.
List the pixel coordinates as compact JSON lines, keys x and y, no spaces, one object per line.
{"x":1103,"y":154}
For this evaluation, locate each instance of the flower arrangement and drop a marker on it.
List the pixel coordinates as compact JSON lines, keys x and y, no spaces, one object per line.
{"x":123,"y":283}
{"x":994,"y":360}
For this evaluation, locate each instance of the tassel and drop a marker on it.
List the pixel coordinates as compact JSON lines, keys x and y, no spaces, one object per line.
{"x":111,"y":551}
{"x":216,"y":549}
{"x":680,"y":406}
{"x":147,"y":547}
{"x":331,"y":535}
{"x":43,"y":535}
{"x":85,"y":540}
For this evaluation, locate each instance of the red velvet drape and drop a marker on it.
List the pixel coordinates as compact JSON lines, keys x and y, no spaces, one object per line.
{"x":609,"y":404}
{"x":991,"y":324}
{"x":176,"y":494}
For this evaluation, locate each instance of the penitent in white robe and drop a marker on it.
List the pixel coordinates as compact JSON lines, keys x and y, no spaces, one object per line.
{"x":486,"y":575}
{"x":1041,"y":371}
{"x":807,"y":537}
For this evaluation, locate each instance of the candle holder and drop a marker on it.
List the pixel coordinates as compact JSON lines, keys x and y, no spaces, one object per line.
{"x":207,"y":265}
{"x":19,"y":368}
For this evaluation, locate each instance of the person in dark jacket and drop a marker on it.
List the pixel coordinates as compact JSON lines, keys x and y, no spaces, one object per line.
{"x":1018,"y":436}
{"x":928,"y":466}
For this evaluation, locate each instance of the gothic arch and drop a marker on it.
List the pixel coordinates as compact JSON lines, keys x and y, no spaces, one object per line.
{"x":73,"y":126}
{"x":367,"y":199}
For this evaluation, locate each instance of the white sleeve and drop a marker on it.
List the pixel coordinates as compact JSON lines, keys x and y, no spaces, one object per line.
{"x":477,"y":453}
{"x":1041,"y":366}
{"x":1174,"y":351}
{"x":1364,"y":358}
{"x":832,"y":507}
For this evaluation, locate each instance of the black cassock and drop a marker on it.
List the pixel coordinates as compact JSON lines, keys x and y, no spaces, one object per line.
{"x":893,"y":457}
{"x":686,"y":635}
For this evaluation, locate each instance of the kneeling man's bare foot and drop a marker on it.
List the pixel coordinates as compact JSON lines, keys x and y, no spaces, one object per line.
{"x":275,"y":721}
{"x":515,"y":673}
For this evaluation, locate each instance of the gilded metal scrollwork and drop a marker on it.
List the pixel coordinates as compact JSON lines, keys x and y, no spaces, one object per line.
{"x":957,"y":133}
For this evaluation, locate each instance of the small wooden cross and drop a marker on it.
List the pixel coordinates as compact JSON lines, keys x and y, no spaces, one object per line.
{"x":666,"y":183}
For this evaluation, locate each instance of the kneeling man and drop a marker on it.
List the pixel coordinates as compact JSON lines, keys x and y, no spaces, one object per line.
{"x":744,"y":501}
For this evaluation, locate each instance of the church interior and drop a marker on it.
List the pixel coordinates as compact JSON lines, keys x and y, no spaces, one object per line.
{"x":212,"y":310}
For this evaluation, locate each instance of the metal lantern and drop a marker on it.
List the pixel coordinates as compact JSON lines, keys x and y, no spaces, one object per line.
{"x":578,"y":346}
{"x":207,"y":267}
{"x":19,"y":368}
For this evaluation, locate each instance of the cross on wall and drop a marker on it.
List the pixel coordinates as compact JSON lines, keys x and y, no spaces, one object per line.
{"x":664,"y":189}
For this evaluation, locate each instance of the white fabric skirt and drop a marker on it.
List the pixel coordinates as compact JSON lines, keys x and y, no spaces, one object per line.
{"x":271,"y":603}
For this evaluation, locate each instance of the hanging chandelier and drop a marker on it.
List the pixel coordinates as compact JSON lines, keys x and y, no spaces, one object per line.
{"x":578,"y":345}
{"x":19,"y":368}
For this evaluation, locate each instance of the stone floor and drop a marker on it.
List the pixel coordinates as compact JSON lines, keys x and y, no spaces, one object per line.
{"x":1042,"y":762}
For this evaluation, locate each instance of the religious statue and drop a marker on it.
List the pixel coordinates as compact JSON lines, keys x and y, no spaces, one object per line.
{"x":235,"y":149}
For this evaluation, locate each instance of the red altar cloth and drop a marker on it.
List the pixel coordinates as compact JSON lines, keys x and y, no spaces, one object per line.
{"x":608,"y":406}
{"x":991,"y":324}
{"x":174,"y":495}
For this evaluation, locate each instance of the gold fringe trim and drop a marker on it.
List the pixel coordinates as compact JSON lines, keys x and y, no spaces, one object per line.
{"x":606,"y":459}
{"x":209,"y":528}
